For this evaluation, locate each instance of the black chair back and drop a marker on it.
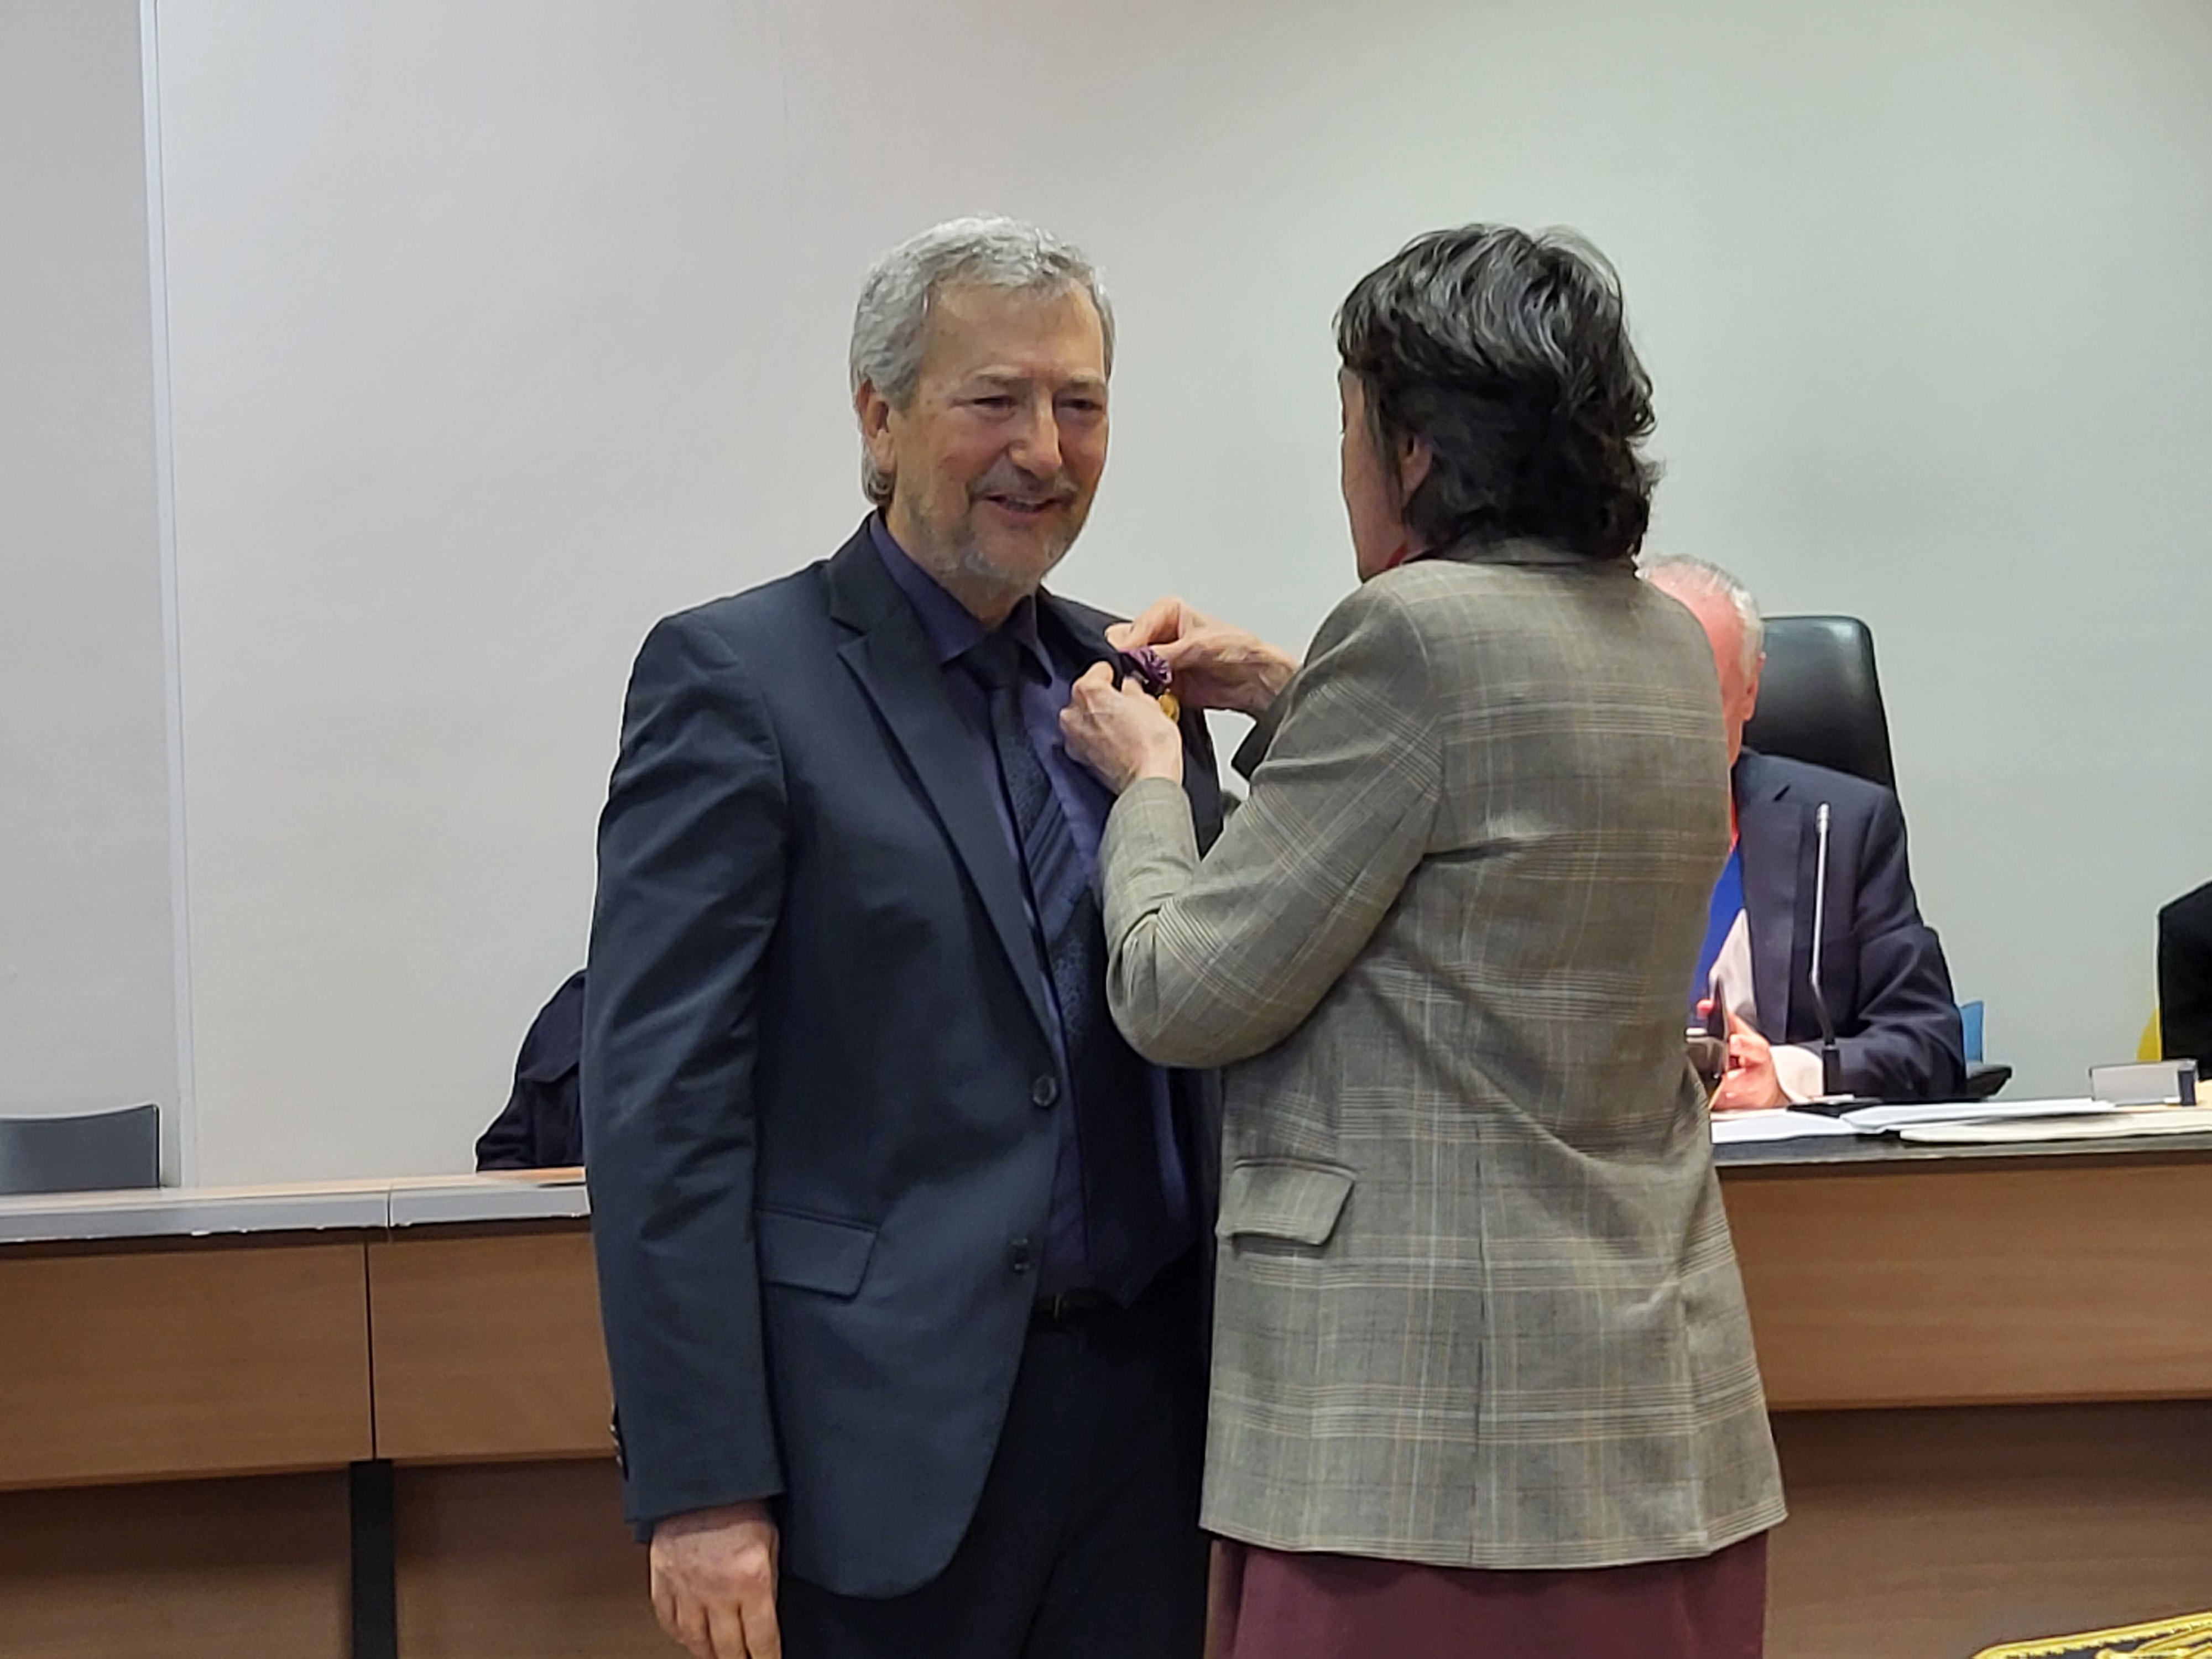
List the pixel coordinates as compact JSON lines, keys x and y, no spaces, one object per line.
{"x":93,"y":1152}
{"x":1819,"y":699}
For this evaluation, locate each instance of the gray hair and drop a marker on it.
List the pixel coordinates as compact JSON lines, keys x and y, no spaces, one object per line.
{"x":1677,"y":574}
{"x":890,"y":322}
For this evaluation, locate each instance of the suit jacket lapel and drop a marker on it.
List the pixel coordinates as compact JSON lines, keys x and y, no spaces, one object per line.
{"x":890,"y":657}
{"x":1771,"y":832}
{"x":1087,"y":629}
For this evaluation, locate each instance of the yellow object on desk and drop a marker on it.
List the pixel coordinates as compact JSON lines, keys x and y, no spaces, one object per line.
{"x":2186,"y":1637}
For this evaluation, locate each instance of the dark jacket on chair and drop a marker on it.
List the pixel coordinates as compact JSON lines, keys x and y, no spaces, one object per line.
{"x":540,"y":1128}
{"x":1882,"y":971}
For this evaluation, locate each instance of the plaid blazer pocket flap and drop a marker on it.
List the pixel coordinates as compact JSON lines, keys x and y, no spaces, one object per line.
{"x":1282,"y":1199}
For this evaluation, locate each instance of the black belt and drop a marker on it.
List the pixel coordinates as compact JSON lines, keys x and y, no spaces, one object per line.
{"x":1064,"y":1306}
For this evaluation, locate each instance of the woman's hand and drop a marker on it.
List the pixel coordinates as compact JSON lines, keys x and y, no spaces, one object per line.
{"x":1214,"y":664}
{"x":1119,"y":731}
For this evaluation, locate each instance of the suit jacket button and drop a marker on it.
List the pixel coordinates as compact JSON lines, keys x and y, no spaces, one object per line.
{"x":1045,"y":1091}
{"x":1020,"y":1256}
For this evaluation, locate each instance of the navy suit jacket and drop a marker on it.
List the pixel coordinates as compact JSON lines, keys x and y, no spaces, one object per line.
{"x":817,"y":1081}
{"x":1881,"y":967}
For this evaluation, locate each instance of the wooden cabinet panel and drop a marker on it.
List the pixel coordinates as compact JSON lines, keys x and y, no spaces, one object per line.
{"x":2085,"y":1280}
{"x":170,"y":1362}
{"x":186,"y":1570}
{"x":521,"y":1561}
{"x":1914,"y":1534}
{"x":488,"y":1348}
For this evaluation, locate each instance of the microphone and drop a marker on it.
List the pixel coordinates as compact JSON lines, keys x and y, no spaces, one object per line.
{"x":1832,"y":1060}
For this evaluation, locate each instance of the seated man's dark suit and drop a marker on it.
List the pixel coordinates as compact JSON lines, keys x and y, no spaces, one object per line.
{"x":824,"y":1090}
{"x":1883,"y":969}
{"x":2185,"y":978}
{"x":541,"y":1127}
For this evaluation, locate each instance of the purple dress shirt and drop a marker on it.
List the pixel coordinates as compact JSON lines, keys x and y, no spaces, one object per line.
{"x":951,"y":629}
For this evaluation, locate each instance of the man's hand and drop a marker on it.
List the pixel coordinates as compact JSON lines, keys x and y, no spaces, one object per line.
{"x":1119,"y":731}
{"x":1751,"y":1081}
{"x":714,"y":1582}
{"x":1215,"y":665}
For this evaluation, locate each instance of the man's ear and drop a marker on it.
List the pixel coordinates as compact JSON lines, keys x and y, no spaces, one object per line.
{"x":874,"y":411}
{"x":1750,"y":687}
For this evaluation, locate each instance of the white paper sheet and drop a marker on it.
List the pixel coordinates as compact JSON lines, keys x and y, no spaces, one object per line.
{"x":1779,"y":1123}
{"x":1970,"y":1111}
{"x":2094,"y":1126}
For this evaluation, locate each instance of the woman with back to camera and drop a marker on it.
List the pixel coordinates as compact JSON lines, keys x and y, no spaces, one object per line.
{"x":1483,"y":1381}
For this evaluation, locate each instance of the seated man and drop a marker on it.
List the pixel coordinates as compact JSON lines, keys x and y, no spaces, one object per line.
{"x":2185,"y":978}
{"x":1881,"y":968}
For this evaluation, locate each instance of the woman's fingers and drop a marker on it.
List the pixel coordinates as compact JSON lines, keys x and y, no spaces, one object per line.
{"x":1161,"y":622}
{"x":1119,"y":731}
{"x":1222,"y":667}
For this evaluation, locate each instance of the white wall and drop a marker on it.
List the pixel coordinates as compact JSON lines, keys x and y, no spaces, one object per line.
{"x":87,"y":985}
{"x":500,"y":329}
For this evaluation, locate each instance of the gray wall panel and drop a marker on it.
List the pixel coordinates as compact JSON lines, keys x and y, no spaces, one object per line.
{"x":87,"y":971}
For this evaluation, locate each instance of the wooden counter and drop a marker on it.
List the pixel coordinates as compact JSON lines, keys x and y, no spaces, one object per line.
{"x":1976,"y":1281}
{"x":1992,"y":1378}
{"x":256,"y":1352}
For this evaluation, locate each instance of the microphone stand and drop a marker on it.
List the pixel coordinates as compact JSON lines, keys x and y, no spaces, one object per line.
{"x":1831,"y":1059}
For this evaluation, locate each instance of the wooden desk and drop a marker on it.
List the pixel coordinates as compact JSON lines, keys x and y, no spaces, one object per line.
{"x":1978,"y":1281}
{"x":191,"y":1381}
{"x":1992,"y":1376}
{"x":1992,"y":1385}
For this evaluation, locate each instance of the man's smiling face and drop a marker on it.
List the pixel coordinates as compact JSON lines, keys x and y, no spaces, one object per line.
{"x":996,"y":457}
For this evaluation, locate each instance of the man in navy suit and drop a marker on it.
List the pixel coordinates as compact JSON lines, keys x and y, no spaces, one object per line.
{"x":1882,"y":972}
{"x":897,"y":1240}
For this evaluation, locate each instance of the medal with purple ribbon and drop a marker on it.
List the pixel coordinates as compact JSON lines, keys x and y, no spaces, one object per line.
{"x":1156,"y":677}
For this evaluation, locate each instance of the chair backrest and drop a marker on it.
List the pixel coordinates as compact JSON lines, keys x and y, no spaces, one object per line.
{"x":1819,"y":699}
{"x":90,"y":1153}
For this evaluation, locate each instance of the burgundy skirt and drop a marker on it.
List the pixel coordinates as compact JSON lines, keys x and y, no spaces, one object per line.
{"x":1268,"y":1604}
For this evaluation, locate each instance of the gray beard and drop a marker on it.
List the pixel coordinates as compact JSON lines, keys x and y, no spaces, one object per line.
{"x":974,"y":569}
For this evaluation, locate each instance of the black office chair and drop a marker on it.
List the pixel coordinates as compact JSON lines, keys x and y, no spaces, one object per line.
{"x":93,"y":1152}
{"x":1820,"y":701}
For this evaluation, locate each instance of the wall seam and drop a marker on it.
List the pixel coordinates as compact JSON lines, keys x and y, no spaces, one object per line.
{"x":181,"y":1149}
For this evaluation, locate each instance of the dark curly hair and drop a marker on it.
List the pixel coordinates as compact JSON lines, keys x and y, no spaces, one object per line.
{"x":1508,"y":354}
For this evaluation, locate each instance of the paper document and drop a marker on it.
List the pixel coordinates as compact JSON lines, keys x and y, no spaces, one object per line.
{"x":1777,"y":1123}
{"x":1878,"y":1118}
{"x":2106,"y":1125}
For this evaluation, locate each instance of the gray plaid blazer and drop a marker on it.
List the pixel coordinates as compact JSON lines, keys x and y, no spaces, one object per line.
{"x":1476,"y":1302}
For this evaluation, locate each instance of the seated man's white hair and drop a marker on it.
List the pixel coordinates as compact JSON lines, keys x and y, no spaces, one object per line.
{"x":1676,"y":574}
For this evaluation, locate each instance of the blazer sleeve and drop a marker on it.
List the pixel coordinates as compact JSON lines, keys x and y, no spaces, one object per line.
{"x":1905,"y":1041}
{"x":1214,"y":962}
{"x":692,"y":857}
